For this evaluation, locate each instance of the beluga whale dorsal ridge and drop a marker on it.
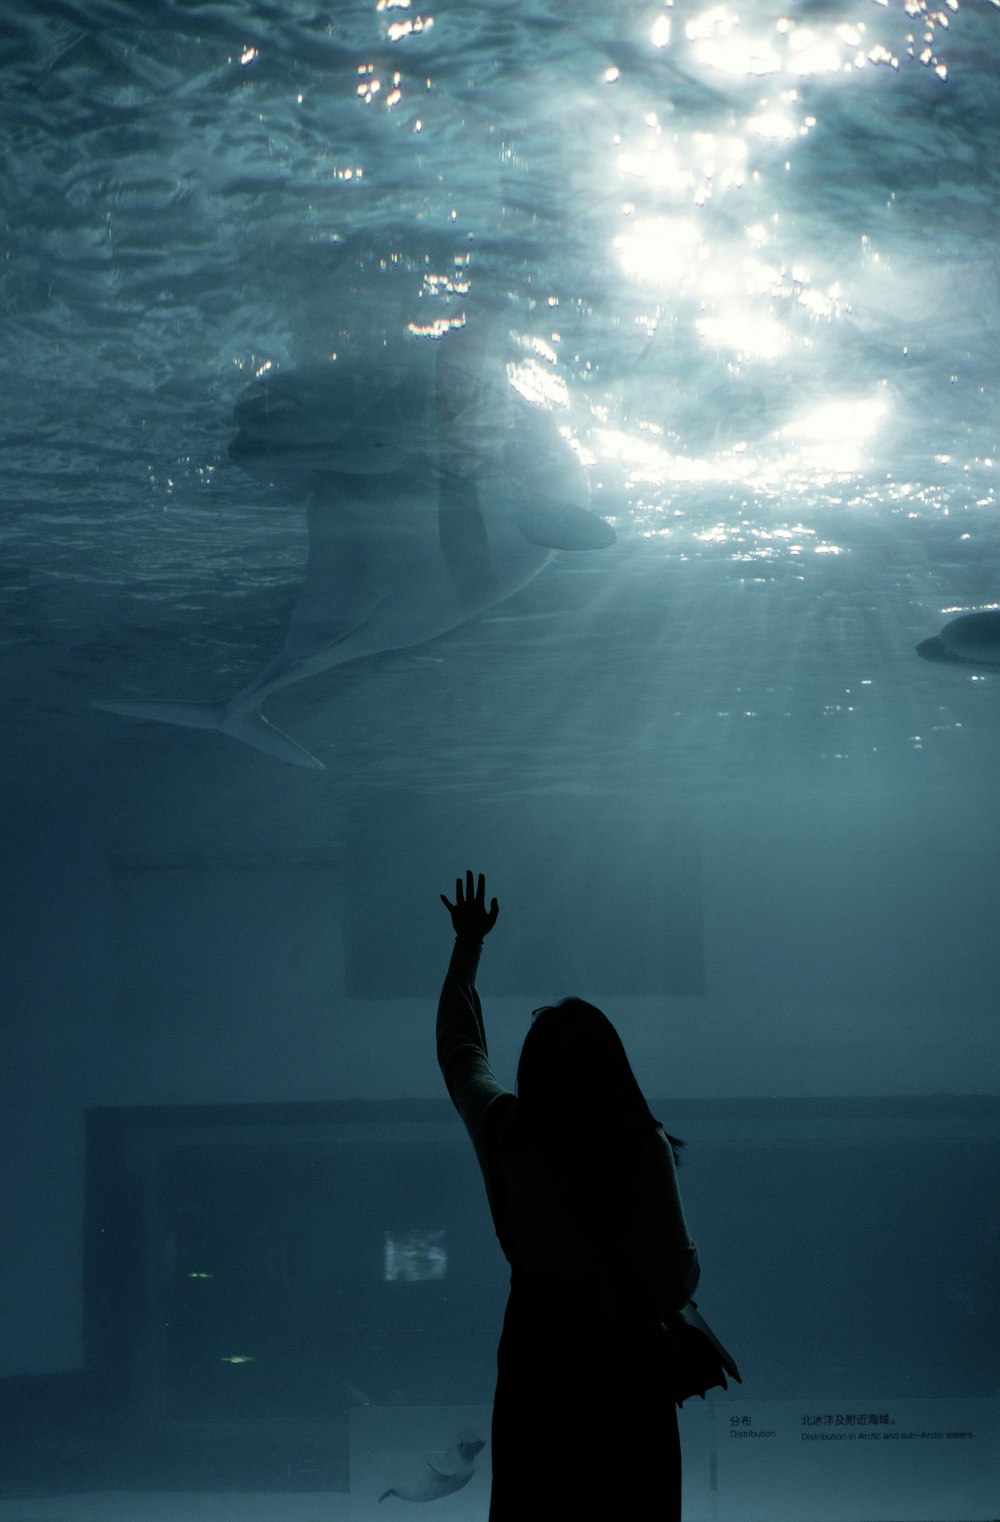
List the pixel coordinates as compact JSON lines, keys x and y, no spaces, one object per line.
{"x":971,"y":639}
{"x":433,"y":491}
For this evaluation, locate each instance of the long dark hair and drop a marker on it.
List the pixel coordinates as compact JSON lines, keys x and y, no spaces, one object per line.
{"x":576,"y":1089}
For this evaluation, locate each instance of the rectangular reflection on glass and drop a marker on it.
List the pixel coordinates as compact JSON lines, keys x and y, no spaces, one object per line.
{"x":415,"y":1255}
{"x":240,"y":1261}
{"x":282,"y":1262}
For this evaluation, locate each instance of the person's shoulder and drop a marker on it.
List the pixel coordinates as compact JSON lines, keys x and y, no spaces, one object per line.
{"x":656,"y":1150}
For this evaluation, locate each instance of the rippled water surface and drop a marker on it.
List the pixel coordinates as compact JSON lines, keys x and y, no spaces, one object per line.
{"x":747,"y":258}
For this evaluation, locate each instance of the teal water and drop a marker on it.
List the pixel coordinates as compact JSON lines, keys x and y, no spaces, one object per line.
{"x":748,"y":261}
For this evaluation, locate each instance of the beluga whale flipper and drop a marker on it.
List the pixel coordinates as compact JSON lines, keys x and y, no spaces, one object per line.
{"x":972,"y":639}
{"x":452,"y":1473}
{"x":433,"y":490}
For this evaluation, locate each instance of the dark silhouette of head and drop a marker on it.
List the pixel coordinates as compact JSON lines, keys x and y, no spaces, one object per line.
{"x":574,"y":1075}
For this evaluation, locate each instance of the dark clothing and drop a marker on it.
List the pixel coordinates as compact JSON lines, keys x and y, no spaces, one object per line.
{"x":582,"y":1426}
{"x":582,"y":1421}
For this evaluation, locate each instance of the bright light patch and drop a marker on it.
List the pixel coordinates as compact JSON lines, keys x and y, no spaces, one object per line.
{"x":649,"y":463}
{"x":660,"y":35}
{"x":881,"y":54}
{"x":719,"y":44}
{"x":644,"y":460}
{"x":661,"y":251}
{"x":720,"y":158}
{"x":759,"y":278}
{"x":539,"y":386}
{"x":691,"y":166}
{"x":399,"y":29}
{"x":839,"y":422}
{"x":540,"y":346}
{"x":773,"y":124}
{"x":745,"y":333}
{"x":435,"y":329}
{"x":826,"y":441}
{"x":831,"y":436}
{"x":662,"y":169}
{"x":818,"y":304}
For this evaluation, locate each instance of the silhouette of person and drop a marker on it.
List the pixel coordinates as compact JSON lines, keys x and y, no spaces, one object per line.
{"x":582,"y":1185}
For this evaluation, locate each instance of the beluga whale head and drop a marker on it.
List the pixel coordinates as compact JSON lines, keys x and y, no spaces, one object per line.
{"x":336,"y":419}
{"x":433,"y":491}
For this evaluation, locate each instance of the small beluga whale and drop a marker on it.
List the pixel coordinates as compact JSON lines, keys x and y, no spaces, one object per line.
{"x":972,"y":639}
{"x":451,"y":1473}
{"x":434,"y":490}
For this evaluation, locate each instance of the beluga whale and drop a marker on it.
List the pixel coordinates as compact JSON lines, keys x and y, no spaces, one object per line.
{"x":451,"y":1473}
{"x":434,"y":490}
{"x":972,"y":639}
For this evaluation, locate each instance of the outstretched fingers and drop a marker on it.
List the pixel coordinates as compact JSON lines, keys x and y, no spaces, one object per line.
{"x":469,"y":912}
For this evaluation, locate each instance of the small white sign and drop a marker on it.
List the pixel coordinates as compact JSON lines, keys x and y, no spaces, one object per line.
{"x":841,"y":1460}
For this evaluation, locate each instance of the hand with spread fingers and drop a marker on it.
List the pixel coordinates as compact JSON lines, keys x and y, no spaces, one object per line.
{"x":469,"y":914}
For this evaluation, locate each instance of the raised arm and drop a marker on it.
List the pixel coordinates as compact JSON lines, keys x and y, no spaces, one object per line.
{"x":461,"y":1035}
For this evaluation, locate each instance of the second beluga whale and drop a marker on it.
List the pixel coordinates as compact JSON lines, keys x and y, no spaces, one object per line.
{"x":972,"y":639}
{"x":433,"y":491}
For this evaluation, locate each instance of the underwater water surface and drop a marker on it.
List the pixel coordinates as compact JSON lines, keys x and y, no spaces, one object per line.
{"x":744,"y":261}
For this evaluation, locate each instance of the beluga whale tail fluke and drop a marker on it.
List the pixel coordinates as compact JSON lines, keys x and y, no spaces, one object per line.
{"x":246,"y":724}
{"x":434,"y":490}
